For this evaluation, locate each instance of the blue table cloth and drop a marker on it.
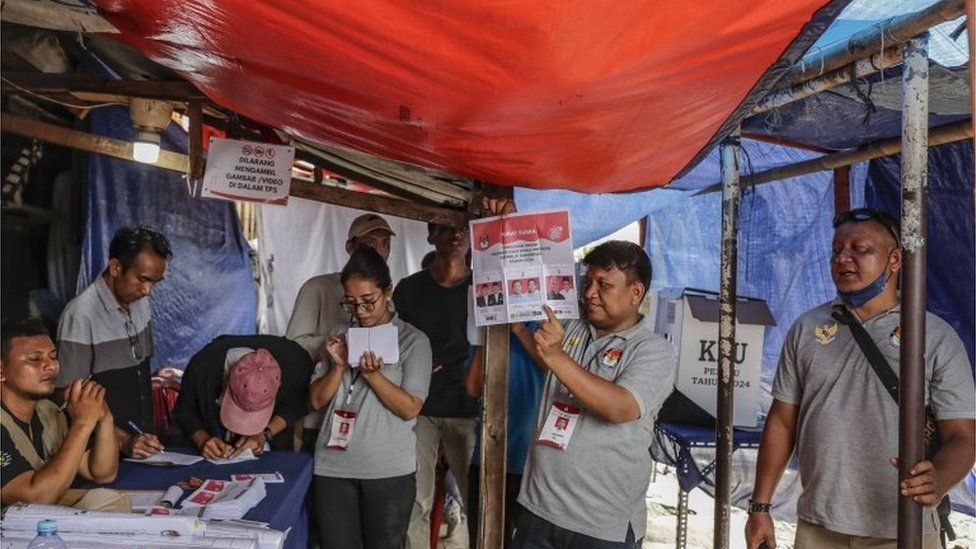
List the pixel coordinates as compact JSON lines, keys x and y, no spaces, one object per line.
{"x":283,"y":507}
{"x":673,"y":444}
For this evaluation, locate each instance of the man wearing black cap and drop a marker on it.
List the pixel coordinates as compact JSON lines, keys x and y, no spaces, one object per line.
{"x":317,"y":314}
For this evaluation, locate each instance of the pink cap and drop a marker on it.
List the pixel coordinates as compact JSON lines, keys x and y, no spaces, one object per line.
{"x":249,"y":399}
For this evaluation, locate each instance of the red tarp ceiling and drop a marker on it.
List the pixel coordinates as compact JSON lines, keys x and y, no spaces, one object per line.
{"x":589,"y":95}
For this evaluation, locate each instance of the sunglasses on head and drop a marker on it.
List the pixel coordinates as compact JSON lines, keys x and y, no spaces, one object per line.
{"x":869,"y":214}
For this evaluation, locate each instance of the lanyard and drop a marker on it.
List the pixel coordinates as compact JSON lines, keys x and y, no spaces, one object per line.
{"x":352,"y":391}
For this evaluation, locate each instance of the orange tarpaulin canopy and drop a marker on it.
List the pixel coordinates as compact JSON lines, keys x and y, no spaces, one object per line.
{"x":590,"y":95}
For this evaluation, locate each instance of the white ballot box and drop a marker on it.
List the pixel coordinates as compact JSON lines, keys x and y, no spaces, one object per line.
{"x":688,"y":318}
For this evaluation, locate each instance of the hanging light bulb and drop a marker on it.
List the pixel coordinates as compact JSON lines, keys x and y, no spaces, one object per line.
{"x":146,"y":147}
{"x":148,"y":118}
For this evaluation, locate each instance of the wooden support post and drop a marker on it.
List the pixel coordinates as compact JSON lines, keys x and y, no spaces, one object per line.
{"x":729,"y":154}
{"x":971,"y":31}
{"x":914,"y":183}
{"x":494,"y":434}
{"x":842,"y":189}
{"x":195,"y":113}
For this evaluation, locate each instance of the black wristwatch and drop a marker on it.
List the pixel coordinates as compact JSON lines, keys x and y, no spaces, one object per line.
{"x":267,"y":434}
{"x":755,"y":507}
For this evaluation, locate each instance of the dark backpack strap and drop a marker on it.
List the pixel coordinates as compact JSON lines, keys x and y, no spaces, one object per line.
{"x":871,"y":352}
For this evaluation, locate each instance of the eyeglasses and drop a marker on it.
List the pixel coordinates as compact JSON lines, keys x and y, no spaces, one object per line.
{"x":367,"y":305}
{"x":130,"y":332}
{"x":869,"y":214}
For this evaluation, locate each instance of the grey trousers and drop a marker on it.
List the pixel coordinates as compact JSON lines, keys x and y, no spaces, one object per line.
{"x":457,"y":436}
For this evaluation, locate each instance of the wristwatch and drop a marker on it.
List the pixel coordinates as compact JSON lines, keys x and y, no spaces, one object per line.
{"x":267,"y":434}
{"x":755,"y":507}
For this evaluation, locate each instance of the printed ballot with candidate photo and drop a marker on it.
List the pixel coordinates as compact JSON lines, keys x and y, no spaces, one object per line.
{"x":522,"y":262}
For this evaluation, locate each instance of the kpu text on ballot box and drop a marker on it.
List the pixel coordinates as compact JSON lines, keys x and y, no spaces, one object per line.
{"x":688,"y":318}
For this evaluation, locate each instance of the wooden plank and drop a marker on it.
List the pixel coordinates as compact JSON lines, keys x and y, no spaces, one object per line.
{"x":380,"y":204}
{"x":494,"y":426}
{"x":117,"y":148}
{"x":38,"y":82}
{"x":195,"y":134}
{"x":842,"y":189}
{"x":59,"y":135}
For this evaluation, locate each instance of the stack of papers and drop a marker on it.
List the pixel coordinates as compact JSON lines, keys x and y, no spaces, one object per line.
{"x":226,"y":499}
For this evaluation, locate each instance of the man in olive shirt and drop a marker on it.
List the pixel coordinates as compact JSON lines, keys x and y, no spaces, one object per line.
{"x":40,"y":452}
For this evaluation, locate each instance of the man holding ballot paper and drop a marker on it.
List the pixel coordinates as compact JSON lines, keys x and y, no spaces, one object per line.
{"x":375,"y":383}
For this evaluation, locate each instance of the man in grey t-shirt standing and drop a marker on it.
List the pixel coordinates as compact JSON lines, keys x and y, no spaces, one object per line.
{"x":607,"y":376}
{"x":831,"y":407}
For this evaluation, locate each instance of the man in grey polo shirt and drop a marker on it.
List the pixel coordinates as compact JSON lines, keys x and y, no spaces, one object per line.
{"x":106,"y":333}
{"x":317,"y":313}
{"x":589,"y":467}
{"x":832,"y":409}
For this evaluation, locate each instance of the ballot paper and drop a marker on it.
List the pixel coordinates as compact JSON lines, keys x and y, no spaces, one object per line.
{"x":167,"y":458}
{"x":268,"y":478}
{"x":142,"y":501}
{"x":383,"y":340}
{"x":246,"y":455}
{"x":82,"y":529}
{"x":226,"y":499}
{"x":70,"y":520}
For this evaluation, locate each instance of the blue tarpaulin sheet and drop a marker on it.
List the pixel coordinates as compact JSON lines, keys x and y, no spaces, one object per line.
{"x":209,"y":289}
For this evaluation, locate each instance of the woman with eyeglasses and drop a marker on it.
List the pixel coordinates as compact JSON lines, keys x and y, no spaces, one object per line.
{"x":365,"y":457}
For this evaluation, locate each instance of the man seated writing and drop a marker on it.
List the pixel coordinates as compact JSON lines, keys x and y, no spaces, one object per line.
{"x":41,"y":451}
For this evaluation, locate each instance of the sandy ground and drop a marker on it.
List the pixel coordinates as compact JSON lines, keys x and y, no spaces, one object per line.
{"x":662,"y":501}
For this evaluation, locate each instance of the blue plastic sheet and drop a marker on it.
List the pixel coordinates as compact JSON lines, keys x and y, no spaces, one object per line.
{"x":209,"y":289}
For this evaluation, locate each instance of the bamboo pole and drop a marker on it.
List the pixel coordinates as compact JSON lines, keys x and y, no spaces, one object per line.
{"x":726,"y":339}
{"x":871,"y":40}
{"x":859,"y":69}
{"x":950,"y":133}
{"x":914,"y":183}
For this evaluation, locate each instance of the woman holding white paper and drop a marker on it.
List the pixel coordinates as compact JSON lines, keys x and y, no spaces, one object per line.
{"x":365,"y":457}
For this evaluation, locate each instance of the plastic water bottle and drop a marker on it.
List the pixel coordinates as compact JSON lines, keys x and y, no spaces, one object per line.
{"x":47,"y":536}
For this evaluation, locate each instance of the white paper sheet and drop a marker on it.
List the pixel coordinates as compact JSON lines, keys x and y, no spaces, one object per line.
{"x":168,"y":458}
{"x":383,"y":340}
{"x":144,"y":500}
{"x":246,"y":455}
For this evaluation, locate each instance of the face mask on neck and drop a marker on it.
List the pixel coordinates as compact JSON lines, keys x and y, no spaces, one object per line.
{"x":858,"y":298}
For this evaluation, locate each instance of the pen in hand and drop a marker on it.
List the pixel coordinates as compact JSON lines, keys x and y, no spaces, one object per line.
{"x":65,"y":403}
{"x":136,"y":430}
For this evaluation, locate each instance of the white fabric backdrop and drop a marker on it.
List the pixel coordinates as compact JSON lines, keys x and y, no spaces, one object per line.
{"x":308,"y":238}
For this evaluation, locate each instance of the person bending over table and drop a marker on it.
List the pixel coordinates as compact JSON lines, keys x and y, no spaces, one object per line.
{"x":41,"y":454}
{"x":365,"y":457}
{"x":243,"y":392}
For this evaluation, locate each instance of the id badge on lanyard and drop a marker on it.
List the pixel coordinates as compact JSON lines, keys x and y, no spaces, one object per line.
{"x":344,"y":419}
{"x":559,"y":426}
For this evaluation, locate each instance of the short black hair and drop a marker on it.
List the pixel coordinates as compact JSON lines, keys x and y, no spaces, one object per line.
{"x":129,"y":241}
{"x":626,"y":256}
{"x":859,"y":215}
{"x":428,"y":259}
{"x":22,"y":327}
{"x":366,"y":262}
